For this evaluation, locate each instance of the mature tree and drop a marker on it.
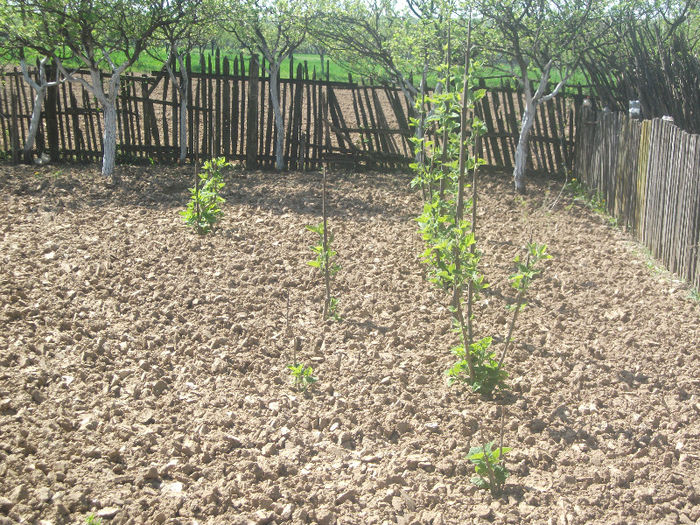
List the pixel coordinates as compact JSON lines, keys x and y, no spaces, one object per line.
{"x":99,"y":35}
{"x":538,"y":38}
{"x":14,"y":51}
{"x":274,"y":29}
{"x":376,"y":39}
{"x":194,"y":29}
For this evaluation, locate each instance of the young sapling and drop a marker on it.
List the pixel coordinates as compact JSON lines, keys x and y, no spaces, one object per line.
{"x":302,"y":376}
{"x":325,"y":258}
{"x":203,"y":209}
{"x":521,"y":280}
{"x":491,"y":472}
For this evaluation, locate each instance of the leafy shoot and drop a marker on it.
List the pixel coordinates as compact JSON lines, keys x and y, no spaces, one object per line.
{"x":302,"y":376}
{"x":491,"y":472}
{"x":203,"y":209}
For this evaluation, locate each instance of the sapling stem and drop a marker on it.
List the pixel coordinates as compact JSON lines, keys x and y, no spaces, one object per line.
{"x":500,"y":439}
{"x":421,"y":160}
{"x":489,"y":470}
{"x":468,"y":335}
{"x":519,"y":300}
{"x":198,"y":211}
{"x":446,"y":131}
{"x":326,"y":254}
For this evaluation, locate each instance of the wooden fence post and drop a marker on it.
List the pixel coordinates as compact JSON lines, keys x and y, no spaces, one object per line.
{"x":251,"y":161}
{"x":14,"y":130}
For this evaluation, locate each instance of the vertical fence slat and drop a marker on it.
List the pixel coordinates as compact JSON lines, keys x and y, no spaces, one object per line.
{"x":252,"y":116}
{"x":225,"y":101}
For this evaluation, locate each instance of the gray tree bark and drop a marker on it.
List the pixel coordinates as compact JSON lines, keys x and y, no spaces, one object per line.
{"x":532,"y":102}
{"x":108,"y":101}
{"x":40,"y":89}
{"x":181,"y":87}
{"x":277,"y":110}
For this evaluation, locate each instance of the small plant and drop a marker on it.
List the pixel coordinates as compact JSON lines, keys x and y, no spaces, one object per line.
{"x":694,"y":294}
{"x":521,"y":280}
{"x":92,"y":520}
{"x":203,"y":208}
{"x":487,"y":374}
{"x":302,"y":376}
{"x":325,"y":258}
{"x":489,"y":464}
{"x":593,"y":200}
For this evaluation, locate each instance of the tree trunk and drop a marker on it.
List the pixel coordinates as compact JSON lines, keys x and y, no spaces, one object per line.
{"x":34,"y":124}
{"x":109,"y":105}
{"x":181,"y":87}
{"x":40,"y":89}
{"x":110,"y":137}
{"x":279,"y":120}
{"x":521,"y":151}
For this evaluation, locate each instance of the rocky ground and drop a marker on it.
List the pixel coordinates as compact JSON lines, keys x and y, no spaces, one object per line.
{"x":143,"y":369}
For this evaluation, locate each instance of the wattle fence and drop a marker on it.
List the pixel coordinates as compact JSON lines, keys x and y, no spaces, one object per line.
{"x":339,"y":122}
{"x":648,"y":172}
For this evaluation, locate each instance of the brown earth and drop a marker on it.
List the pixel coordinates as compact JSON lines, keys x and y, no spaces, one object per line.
{"x":143,"y":368}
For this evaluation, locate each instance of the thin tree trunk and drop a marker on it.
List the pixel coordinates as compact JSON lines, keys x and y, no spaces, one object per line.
{"x":181,"y":87}
{"x":34,"y":124}
{"x":521,"y":151}
{"x":279,"y":120}
{"x":109,"y":105}
{"x":108,"y":101}
{"x":40,"y":89}
{"x":110,"y":137}
{"x":532,"y":101}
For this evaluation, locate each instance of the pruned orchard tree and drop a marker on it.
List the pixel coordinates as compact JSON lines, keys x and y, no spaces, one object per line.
{"x":98,"y":35}
{"x":539,"y":39}
{"x":180,"y":37}
{"x":14,"y":49}
{"x":40,"y":85}
{"x":375,"y":39}
{"x":275,"y":29}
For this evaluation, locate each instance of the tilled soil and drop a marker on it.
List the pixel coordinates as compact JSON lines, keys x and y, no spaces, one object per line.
{"x":143,"y":369}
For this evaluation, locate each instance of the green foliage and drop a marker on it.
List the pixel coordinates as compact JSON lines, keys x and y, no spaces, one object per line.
{"x":593,"y":200}
{"x":333,"y":309}
{"x":488,"y":375}
{"x":325,"y":261}
{"x":451,"y":252}
{"x":92,"y":520}
{"x":203,"y":208}
{"x":526,"y":271}
{"x":325,"y":254}
{"x":491,"y":472}
{"x":302,"y":376}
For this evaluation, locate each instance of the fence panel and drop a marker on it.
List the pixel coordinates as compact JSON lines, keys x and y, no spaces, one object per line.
{"x":649,"y":174}
{"x":343,"y":122}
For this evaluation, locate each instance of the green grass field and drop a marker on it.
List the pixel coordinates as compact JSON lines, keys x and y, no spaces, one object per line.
{"x":494,"y":77}
{"x":154,"y":62}
{"x":149,"y":63}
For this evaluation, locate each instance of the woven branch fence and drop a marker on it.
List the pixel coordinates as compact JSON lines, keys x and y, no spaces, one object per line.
{"x":350,"y":123}
{"x":648,"y":172}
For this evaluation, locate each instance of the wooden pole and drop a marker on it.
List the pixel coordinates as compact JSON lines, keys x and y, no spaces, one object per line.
{"x":252,"y":115}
